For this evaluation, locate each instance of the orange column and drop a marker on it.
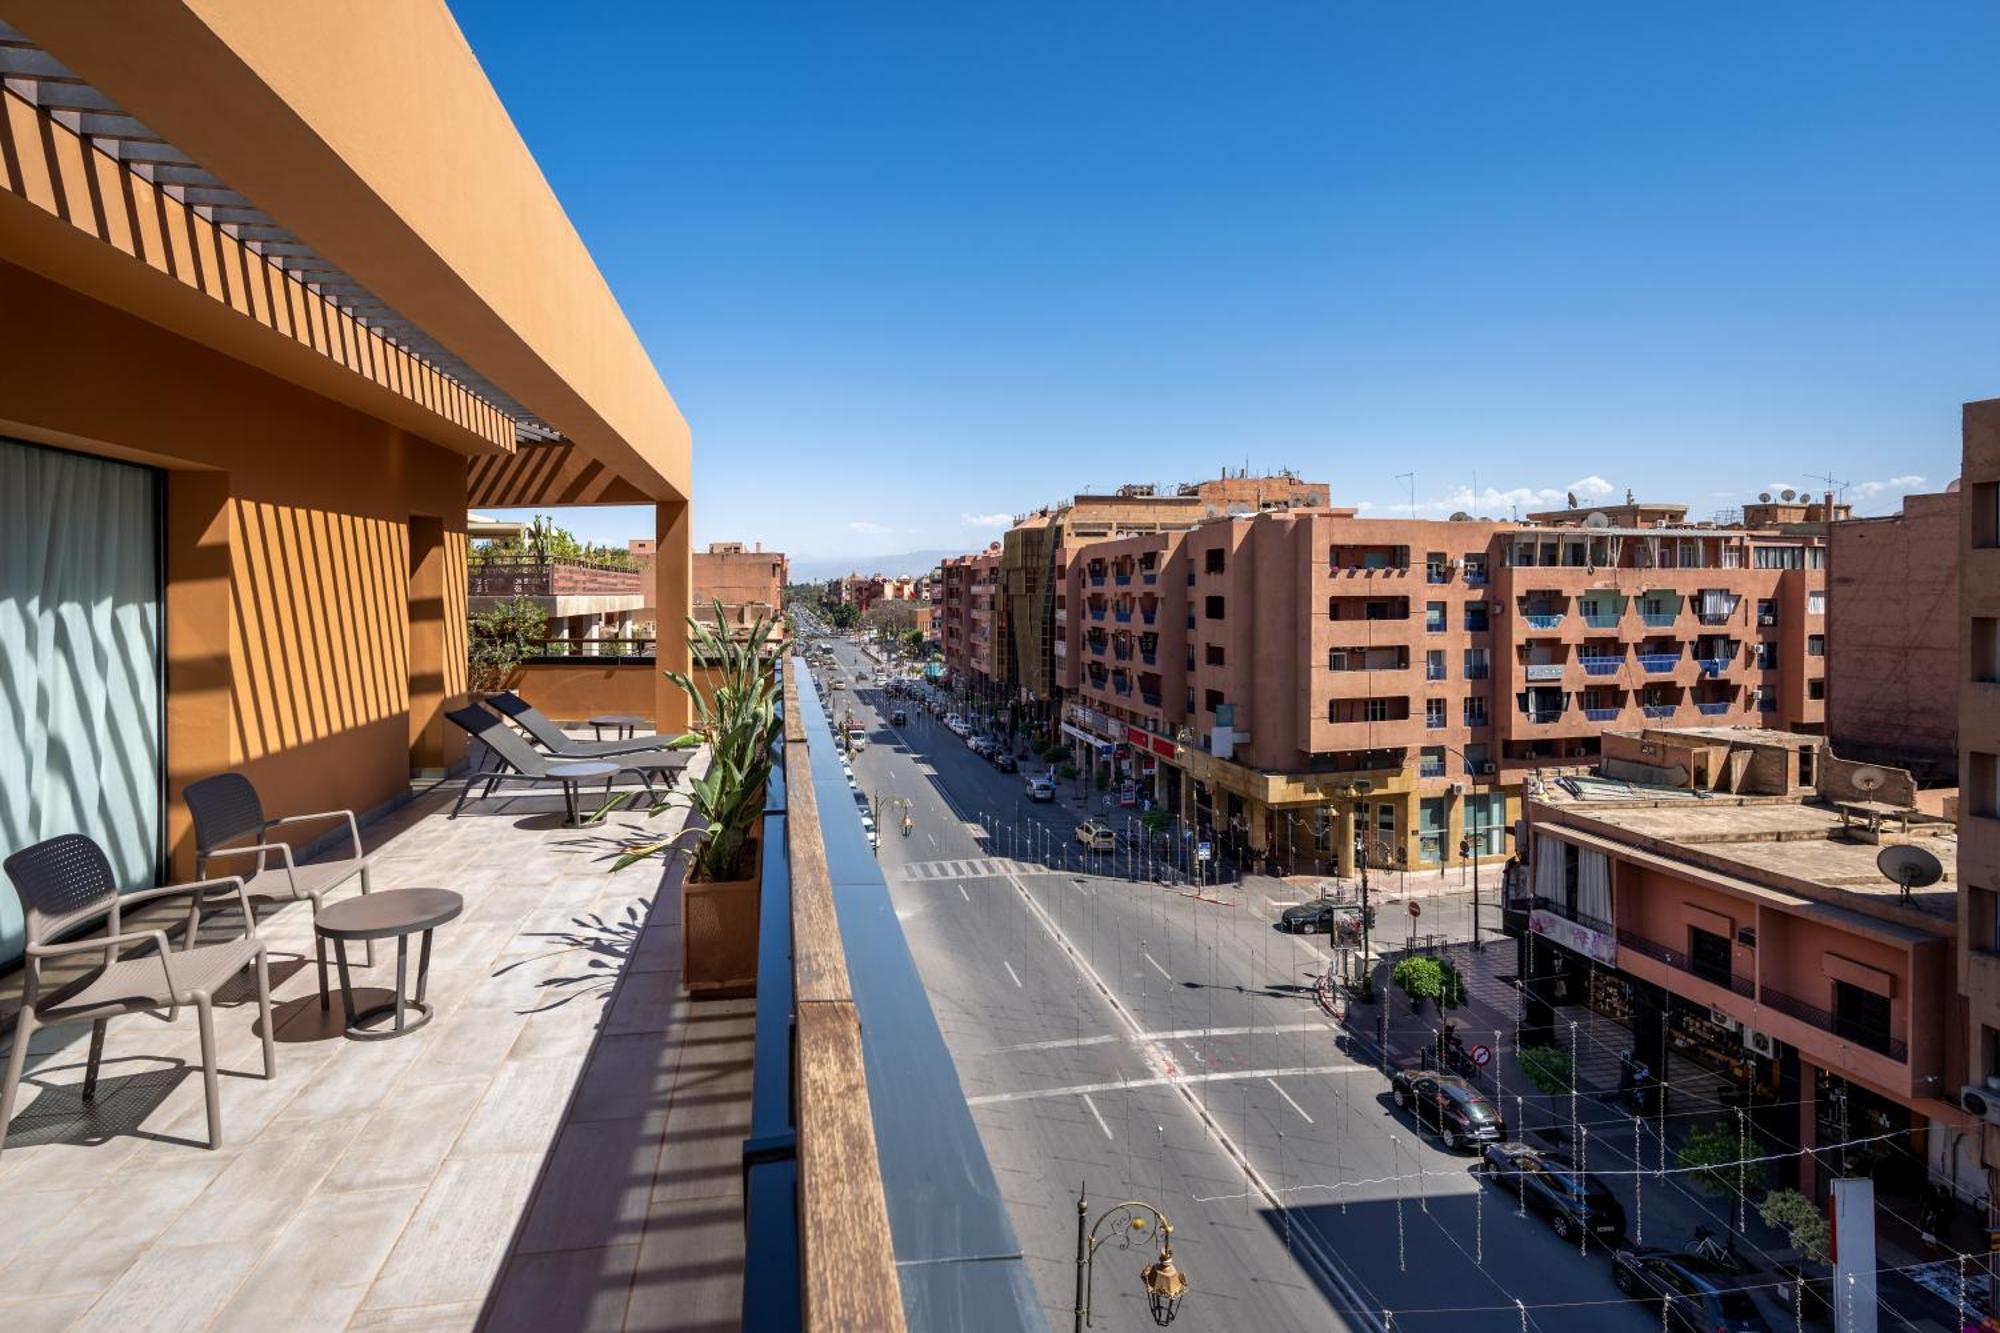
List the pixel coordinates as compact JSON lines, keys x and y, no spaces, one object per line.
{"x":200,"y":681}
{"x":427,"y":645}
{"x":673,"y":592}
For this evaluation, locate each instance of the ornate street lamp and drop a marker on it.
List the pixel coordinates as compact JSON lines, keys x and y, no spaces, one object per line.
{"x":1164,"y":1284}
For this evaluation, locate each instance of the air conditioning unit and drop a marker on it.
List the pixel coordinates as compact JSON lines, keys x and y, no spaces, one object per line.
{"x":1722,"y":1020}
{"x":1489,"y":767}
{"x":1458,"y":789}
{"x":1763,"y":1043}
{"x":1980,"y":1102}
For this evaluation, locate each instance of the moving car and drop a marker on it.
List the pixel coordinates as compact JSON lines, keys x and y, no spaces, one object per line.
{"x":900,"y":718}
{"x":857,"y":736}
{"x":1549,"y":1183}
{"x":1325,"y":918}
{"x":1096,"y":836}
{"x":839,"y":684}
{"x":1005,"y":762}
{"x":1041,"y":788}
{"x":1448,"y":1107}
{"x":1699,"y":1293}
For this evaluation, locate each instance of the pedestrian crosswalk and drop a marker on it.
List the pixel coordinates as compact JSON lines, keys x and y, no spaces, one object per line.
{"x":983,"y":867}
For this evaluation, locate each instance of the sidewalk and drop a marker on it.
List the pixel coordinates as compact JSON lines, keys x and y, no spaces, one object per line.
{"x":1627,"y":1153}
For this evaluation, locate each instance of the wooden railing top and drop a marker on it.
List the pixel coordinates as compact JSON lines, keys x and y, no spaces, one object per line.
{"x":847,"y":1258}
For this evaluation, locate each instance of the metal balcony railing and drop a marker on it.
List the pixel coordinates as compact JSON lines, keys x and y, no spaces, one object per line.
{"x":1097,"y":580}
{"x":1433,"y":671}
{"x":1478,"y":671}
{"x":1097,"y":613}
{"x":1150,"y":700}
{"x":1543,"y":716}
{"x":1878,"y":1040}
{"x":557,"y":578}
{"x":1659,"y":619}
{"x":1433,"y":723}
{"x":1714,"y":710}
{"x":1680,"y":962}
{"x":1602,"y":714}
{"x":1659,"y":663}
{"x":1601,"y":619}
{"x":1601,"y":666}
{"x":1431,"y":768}
{"x":1122,"y":580}
{"x":1660,"y":710}
{"x":1150,"y":576}
{"x":1562,"y":910}
{"x":1122,"y":617}
{"x":1537,"y":620}
{"x":1544,"y":671}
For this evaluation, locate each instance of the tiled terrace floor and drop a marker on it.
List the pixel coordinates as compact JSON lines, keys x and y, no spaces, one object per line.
{"x":557,"y":1150}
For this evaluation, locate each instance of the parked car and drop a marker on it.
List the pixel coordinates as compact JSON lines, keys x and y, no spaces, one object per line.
{"x":1005,"y":762}
{"x":1041,"y":788}
{"x":1702,"y":1295}
{"x":1325,"y":918}
{"x":1549,"y":1183}
{"x":839,"y":684}
{"x":1096,"y":836}
{"x":980,"y":745}
{"x":1448,"y":1107}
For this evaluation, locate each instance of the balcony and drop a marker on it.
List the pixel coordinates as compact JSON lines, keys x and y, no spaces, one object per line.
{"x":1873,"y":1039}
{"x":1602,"y":666}
{"x":1150,"y":576}
{"x":1602,"y":714}
{"x":1120,"y":686}
{"x":1097,"y":613}
{"x":1430,"y":768}
{"x":1121,"y":651}
{"x":1680,"y":962}
{"x":556,"y":578}
{"x":1122,"y":617}
{"x":1150,"y":656}
{"x":1543,"y":716}
{"x":1148,"y":617}
{"x":1659,"y":710}
{"x":1659,"y":664}
{"x":1122,"y":580}
{"x":1714,"y":666}
{"x":1543,"y":671}
{"x":1096,"y":580}
{"x":1541,"y":622}
{"x":1714,"y":710}
{"x":1601,"y":619}
{"x":1660,"y":619}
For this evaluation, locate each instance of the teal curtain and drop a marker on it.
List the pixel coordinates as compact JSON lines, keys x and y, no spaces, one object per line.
{"x":79,"y":661}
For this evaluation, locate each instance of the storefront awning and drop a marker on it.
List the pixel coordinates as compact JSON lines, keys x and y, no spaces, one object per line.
{"x":1103,"y":746}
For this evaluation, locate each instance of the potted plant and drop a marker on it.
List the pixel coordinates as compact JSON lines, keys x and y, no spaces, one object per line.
{"x":736,"y":716}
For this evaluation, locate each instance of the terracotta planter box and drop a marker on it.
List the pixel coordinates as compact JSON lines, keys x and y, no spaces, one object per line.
{"x":719,"y":932}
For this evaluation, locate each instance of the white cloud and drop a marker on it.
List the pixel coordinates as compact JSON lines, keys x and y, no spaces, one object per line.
{"x":1364,"y":505}
{"x":1869,"y":489}
{"x":1592,"y":487}
{"x":1498,"y":501}
{"x":869,"y":529}
{"x":986,"y":520}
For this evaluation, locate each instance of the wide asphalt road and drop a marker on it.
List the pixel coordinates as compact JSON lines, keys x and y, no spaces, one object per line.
{"x":1161,"y":1043}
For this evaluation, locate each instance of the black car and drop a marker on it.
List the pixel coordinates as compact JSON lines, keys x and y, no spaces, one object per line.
{"x":1325,"y":918}
{"x":1550,"y":1184}
{"x":1449,"y":1107}
{"x":1005,"y":762}
{"x":1701,"y":1294}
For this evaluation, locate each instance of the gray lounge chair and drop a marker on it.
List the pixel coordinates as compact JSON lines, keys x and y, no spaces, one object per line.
{"x":522,"y":762}
{"x":558,"y":742}
{"x":66,"y":882}
{"x":226,"y":809}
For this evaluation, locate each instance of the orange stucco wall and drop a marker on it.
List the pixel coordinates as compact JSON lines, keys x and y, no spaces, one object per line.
{"x":288,"y":562}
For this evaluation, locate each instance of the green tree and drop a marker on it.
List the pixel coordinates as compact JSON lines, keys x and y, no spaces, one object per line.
{"x":1422,"y":977}
{"x":842,"y":616}
{"x":1549,"y":1068}
{"x":501,"y":637}
{"x":1801,"y":1219}
{"x":1715,"y":1160}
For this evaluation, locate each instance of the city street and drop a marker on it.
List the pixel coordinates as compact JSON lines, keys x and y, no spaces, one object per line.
{"x":1163,"y":1043}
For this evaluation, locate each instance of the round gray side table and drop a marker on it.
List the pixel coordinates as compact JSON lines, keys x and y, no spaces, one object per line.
{"x":574,"y":771}
{"x":625,"y":724}
{"x":391,"y":914}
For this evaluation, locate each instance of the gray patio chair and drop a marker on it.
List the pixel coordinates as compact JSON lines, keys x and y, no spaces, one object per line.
{"x":522,"y":762}
{"x":226,"y":809}
{"x":66,"y":882}
{"x":558,"y":742}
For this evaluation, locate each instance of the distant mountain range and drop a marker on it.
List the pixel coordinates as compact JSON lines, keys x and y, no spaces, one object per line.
{"x":906,"y":564}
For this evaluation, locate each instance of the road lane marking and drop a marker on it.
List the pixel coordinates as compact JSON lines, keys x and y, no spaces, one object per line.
{"x":1288,"y":1100}
{"x":963,"y":894}
{"x":1210,"y":1076}
{"x":1156,"y":965}
{"x":1010,"y":971}
{"x":1098,"y":1114}
{"x":1175,"y":1034}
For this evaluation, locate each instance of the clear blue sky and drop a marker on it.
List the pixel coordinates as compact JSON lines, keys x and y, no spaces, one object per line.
{"x":908,"y":268}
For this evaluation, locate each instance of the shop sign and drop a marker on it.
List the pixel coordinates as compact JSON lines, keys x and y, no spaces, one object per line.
{"x":1574,"y":937}
{"x":1162,"y":747}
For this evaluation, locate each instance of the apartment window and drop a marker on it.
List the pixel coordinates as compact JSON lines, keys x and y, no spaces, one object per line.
{"x":1861,"y":1016}
{"x":1211,"y":560}
{"x":1383,"y":610}
{"x":1767,"y":656}
{"x":1212,"y":700}
{"x":1435,"y":568}
{"x":1732,"y":556}
{"x":1764,"y":699}
{"x":1982,"y":784}
{"x":1212,"y":607}
{"x":1475,"y":710}
{"x":1434,"y":714}
{"x":1430,"y":830}
{"x":1477,"y":665}
{"x":1434,"y":664}
{"x":1475,"y":617}
{"x":1475,"y":569}
{"x":1780,"y":557}
{"x":1767,"y":611}
{"x":1815,"y":645}
{"x":1430,"y":763}
{"x":1374,"y":710}
{"x":1434,"y":617}
{"x":1982,"y":921}
{"x":1985,"y":501}
{"x":1212,"y":654}
{"x":1815,"y":603}
{"x":1986,"y":649}
{"x":1816,"y":688}
{"x":1708,"y":955}
{"x":1190,"y":578}
{"x":1475,"y":758}
{"x":1190,"y":657}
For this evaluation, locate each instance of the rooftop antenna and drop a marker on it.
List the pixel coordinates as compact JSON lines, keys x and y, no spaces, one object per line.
{"x":1835,"y":484}
{"x":1410,"y":477}
{"x":1911,"y":867}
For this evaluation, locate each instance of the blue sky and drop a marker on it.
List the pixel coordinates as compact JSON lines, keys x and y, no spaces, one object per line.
{"x":911,"y":268}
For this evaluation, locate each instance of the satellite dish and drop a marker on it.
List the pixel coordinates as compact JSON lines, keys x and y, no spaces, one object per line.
{"x":1596,"y":520}
{"x":1790,"y":495}
{"x":1870,"y":778}
{"x":1763,"y":497}
{"x":1952,"y":487}
{"x":1461,"y":517}
{"x":1362,"y":786}
{"x":1911,"y":867}
{"x":1571,"y":497}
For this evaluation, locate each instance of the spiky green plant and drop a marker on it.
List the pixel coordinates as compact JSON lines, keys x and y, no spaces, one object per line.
{"x":737,"y":717}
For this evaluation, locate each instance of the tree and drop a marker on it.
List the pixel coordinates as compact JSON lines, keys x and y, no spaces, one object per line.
{"x":1801,"y":1219}
{"x":891,"y":617}
{"x":1422,"y":977}
{"x":842,"y":616}
{"x":1549,"y":1068}
{"x":913,"y":639}
{"x":1714,"y":1157}
{"x":501,"y":638}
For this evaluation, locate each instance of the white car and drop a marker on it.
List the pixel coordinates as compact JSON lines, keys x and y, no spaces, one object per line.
{"x":981,"y":745}
{"x":1041,"y":789}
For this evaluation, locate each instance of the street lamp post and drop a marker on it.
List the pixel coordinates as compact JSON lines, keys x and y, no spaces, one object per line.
{"x":1164,"y":1284}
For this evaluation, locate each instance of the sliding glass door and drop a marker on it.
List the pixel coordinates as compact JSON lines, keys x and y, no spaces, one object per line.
{"x":80,"y":661}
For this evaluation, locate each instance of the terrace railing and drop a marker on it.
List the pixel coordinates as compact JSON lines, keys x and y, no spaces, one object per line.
{"x":1866,"y":1036}
{"x":1681,"y":962}
{"x":557,"y":578}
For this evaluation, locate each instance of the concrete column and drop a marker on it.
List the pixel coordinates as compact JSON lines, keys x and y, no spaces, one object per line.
{"x":1344,"y":840}
{"x":673,"y":598}
{"x":427,"y":645}
{"x":201,"y":724}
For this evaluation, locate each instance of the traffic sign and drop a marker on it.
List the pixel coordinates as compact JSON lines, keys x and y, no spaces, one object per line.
{"x":1480,"y":1055}
{"x":1416,"y":908}
{"x":1203,"y":851}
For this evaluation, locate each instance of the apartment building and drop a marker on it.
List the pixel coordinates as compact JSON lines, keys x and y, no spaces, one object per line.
{"x":966,"y":618}
{"x":1751,"y":933}
{"x":1892,"y":624}
{"x":1297,"y":680}
{"x":1979,"y":756}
